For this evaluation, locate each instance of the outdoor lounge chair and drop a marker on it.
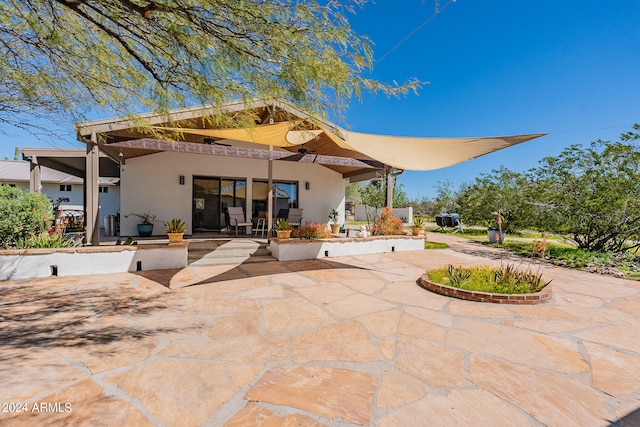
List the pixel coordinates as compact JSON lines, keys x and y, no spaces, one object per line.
{"x":295,"y":217}
{"x":237,"y":218}
{"x":449,"y":220}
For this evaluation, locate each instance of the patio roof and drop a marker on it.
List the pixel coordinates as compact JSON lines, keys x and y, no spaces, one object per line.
{"x":350,"y":153}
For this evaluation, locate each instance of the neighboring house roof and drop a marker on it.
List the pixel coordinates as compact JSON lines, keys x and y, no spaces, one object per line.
{"x":12,"y":171}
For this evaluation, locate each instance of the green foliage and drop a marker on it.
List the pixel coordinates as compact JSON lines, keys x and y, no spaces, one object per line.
{"x":145,"y":217}
{"x":501,"y":191}
{"x":352,"y":192}
{"x":176,"y":225}
{"x":22,"y":215}
{"x":46,"y":240}
{"x":283,"y":224}
{"x":418,"y":221}
{"x":386,"y":224}
{"x":423,"y":206}
{"x":312,"y":231}
{"x":446,"y":198}
{"x":569,"y":256}
{"x":333,"y":216}
{"x":61,"y":57}
{"x":374,"y":193}
{"x":435,"y":245}
{"x":592,"y":194}
{"x":506,"y":279}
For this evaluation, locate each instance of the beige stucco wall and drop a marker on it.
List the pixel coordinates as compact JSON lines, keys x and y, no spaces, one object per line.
{"x":152,"y":183}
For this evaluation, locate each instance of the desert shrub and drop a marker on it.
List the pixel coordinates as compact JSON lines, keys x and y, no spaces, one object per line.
{"x":22,"y":215}
{"x":312,"y":231}
{"x":386,"y":224}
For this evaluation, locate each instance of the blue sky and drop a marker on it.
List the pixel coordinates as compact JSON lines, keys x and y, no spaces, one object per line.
{"x":568,"y":68}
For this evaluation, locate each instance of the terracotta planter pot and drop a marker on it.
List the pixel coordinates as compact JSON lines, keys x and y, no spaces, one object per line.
{"x":416,"y":230}
{"x":283,"y":234}
{"x":175,"y":237}
{"x":335,"y":228}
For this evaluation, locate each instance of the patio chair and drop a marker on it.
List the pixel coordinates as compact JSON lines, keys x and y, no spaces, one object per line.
{"x":282,"y":214}
{"x":237,"y":218}
{"x":295,"y":217}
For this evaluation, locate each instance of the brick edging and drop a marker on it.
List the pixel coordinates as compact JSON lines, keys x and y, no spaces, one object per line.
{"x":539,"y":297}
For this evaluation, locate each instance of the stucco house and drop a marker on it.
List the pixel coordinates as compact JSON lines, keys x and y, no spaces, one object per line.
{"x":189,"y":168}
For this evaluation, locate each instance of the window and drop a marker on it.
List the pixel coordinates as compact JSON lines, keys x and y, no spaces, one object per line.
{"x":65,"y":187}
{"x":103,"y":189}
{"x":285,"y":196}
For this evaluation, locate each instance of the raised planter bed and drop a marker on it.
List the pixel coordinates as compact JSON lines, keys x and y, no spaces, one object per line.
{"x":299,"y":249}
{"x":32,"y":263}
{"x":539,"y":297}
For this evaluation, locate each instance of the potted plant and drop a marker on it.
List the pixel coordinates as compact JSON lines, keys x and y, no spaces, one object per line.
{"x":175,"y":230}
{"x":283,"y":229}
{"x":145,"y":228}
{"x":418,"y":222}
{"x":496,"y":232}
{"x":333,"y":217}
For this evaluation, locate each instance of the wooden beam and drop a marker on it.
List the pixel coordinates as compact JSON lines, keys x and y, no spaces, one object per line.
{"x":247,"y":153}
{"x":35,"y":176}
{"x":91,"y":205}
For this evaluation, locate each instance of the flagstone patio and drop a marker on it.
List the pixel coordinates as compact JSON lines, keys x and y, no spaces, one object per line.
{"x":349,"y":341}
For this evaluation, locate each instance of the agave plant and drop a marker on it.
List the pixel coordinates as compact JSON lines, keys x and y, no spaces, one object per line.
{"x":283,"y":225}
{"x":176,"y":225}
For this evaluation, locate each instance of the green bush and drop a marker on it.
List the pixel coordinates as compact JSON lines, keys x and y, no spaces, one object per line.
{"x":22,"y":215}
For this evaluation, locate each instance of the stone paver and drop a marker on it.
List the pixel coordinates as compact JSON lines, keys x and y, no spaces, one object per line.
{"x":339,"y":342}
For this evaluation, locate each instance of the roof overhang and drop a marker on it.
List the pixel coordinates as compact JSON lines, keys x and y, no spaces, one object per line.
{"x":278,"y":124}
{"x":70,"y":160}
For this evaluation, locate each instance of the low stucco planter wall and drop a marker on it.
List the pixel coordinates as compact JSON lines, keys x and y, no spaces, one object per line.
{"x":299,"y":249}
{"x":32,"y":263}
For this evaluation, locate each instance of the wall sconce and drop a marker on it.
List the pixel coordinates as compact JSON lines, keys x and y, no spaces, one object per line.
{"x":307,"y":186}
{"x":181,"y":179}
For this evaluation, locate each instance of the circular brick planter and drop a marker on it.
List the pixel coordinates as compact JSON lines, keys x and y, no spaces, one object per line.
{"x":542,"y":296}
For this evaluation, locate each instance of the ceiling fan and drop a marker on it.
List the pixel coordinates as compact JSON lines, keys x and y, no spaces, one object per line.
{"x":211,"y":141}
{"x":301,"y":153}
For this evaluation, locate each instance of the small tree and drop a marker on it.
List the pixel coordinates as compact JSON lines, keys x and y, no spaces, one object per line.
{"x":446,"y":198}
{"x":502,"y":191}
{"x":22,"y":215}
{"x":62,"y":58}
{"x":592,"y":194}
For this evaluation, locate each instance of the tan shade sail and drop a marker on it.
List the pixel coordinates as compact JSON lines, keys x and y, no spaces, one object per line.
{"x":400,"y":152}
{"x":272,"y":134}
{"x":424,"y":153}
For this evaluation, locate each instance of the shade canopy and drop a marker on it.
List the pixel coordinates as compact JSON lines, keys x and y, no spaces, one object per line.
{"x":355,"y":155}
{"x":400,"y":152}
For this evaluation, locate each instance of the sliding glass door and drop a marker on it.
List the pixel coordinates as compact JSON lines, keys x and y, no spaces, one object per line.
{"x":211,"y":197}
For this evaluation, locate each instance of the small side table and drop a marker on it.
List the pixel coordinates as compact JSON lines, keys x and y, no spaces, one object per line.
{"x":261,"y":226}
